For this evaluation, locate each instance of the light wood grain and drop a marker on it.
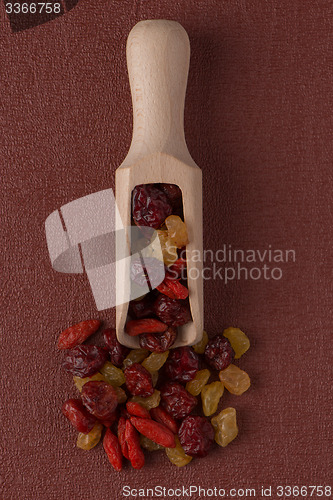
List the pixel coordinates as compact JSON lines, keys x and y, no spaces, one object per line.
{"x":158,"y":55}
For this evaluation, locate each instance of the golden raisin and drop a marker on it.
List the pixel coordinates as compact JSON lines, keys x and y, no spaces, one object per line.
{"x":201,"y":346}
{"x":238,"y":340}
{"x":195,"y":385}
{"x":177,"y":456}
{"x":210,"y":396}
{"x":135,"y":356}
{"x":155,"y":361}
{"x":225,"y":426}
{"x":154,"y":377}
{"x":113,"y":375}
{"x":79,"y":382}
{"x":235,"y":380}
{"x":88,"y":441}
{"x":150,"y":402}
{"x":169,"y":250}
{"x":148,"y":444}
{"x":177,"y":231}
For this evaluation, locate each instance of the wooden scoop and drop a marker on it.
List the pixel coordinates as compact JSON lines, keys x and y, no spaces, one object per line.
{"x":158,"y":54}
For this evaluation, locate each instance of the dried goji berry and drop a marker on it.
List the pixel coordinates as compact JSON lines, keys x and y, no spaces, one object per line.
{"x":182,"y":364}
{"x":180,"y":291}
{"x":135,"y":453}
{"x":100,"y":399}
{"x":118,"y":352}
{"x":163,"y":417}
{"x":136,"y":410}
{"x":155,"y":431}
{"x":176,"y":400}
{"x":78,"y":415}
{"x":177,"y":269}
{"x":196,"y":435}
{"x":163,"y":288}
{"x":158,"y":342}
{"x":147,"y":325}
{"x":85,"y":360}
{"x":138,"y":380}
{"x":121,"y":436}
{"x":112,"y":449}
{"x":77,"y":334}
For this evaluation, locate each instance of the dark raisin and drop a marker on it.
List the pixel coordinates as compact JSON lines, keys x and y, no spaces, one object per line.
{"x":172,"y":312}
{"x":182,"y":364}
{"x":150,"y":206}
{"x":85,"y":360}
{"x":218,"y":353}
{"x":176,"y":400}
{"x":117,"y":351}
{"x":100,"y":399}
{"x":78,"y":415}
{"x":158,"y":342}
{"x":196,"y":435}
{"x":138,"y":380}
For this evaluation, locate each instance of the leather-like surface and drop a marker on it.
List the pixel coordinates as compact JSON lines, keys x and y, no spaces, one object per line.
{"x":258,"y":120}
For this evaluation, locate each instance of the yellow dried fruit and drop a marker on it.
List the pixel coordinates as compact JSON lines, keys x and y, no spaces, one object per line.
{"x":177,"y":231}
{"x":121,"y":394}
{"x":225,"y":426}
{"x":135,"y":356}
{"x":79,"y":382}
{"x":210,"y":396}
{"x":154,"y":377}
{"x":238,"y":340}
{"x":88,"y":441}
{"x":177,"y":456}
{"x":235,"y":380}
{"x":169,"y":250}
{"x":155,"y":361}
{"x":149,"y":445}
{"x":201,"y":346}
{"x":151,"y":402}
{"x":113,"y":375}
{"x":195,"y":385}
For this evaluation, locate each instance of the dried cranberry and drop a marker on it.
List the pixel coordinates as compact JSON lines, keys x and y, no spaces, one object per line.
{"x":78,"y":415}
{"x":196,"y":435}
{"x":85,"y":360}
{"x":138,"y":380}
{"x":177,"y":269}
{"x":118,"y":352}
{"x":100,"y":399}
{"x":219,"y":353}
{"x":182,"y":364}
{"x":158,"y":342}
{"x":172,"y":312}
{"x":174,"y":194}
{"x":176,"y":400}
{"x":150,"y":206}
{"x":150,"y":272}
{"x":142,"y":308}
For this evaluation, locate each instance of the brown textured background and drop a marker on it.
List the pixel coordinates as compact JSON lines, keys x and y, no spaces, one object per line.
{"x":259,"y":122}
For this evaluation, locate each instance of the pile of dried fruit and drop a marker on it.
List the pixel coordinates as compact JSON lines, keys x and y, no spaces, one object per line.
{"x":156,"y":316}
{"x":147,"y":400}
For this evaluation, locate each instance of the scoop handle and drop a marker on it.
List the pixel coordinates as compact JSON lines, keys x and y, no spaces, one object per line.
{"x":158,"y":55}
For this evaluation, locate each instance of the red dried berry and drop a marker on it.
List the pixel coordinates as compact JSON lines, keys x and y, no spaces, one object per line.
{"x":113,"y":450}
{"x":147,"y":325}
{"x":158,"y":342}
{"x":85,"y":360}
{"x":177,"y":269}
{"x":138,"y":380}
{"x":135,"y":453}
{"x":111,"y":419}
{"x":150,"y":206}
{"x":180,"y":291}
{"x":163,"y":417}
{"x":182,"y":364}
{"x":121,"y":436}
{"x":78,"y":415}
{"x":100,"y":399}
{"x":77,"y":334}
{"x":154,"y":431}
{"x":172,"y":312}
{"x":196,"y":435}
{"x":174,"y":194}
{"x":117,"y":351}
{"x":136,"y":410}
{"x":142,"y":308}
{"x":163,"y":288}
{"x":176,"y":400}
{"x":218,"y":353}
